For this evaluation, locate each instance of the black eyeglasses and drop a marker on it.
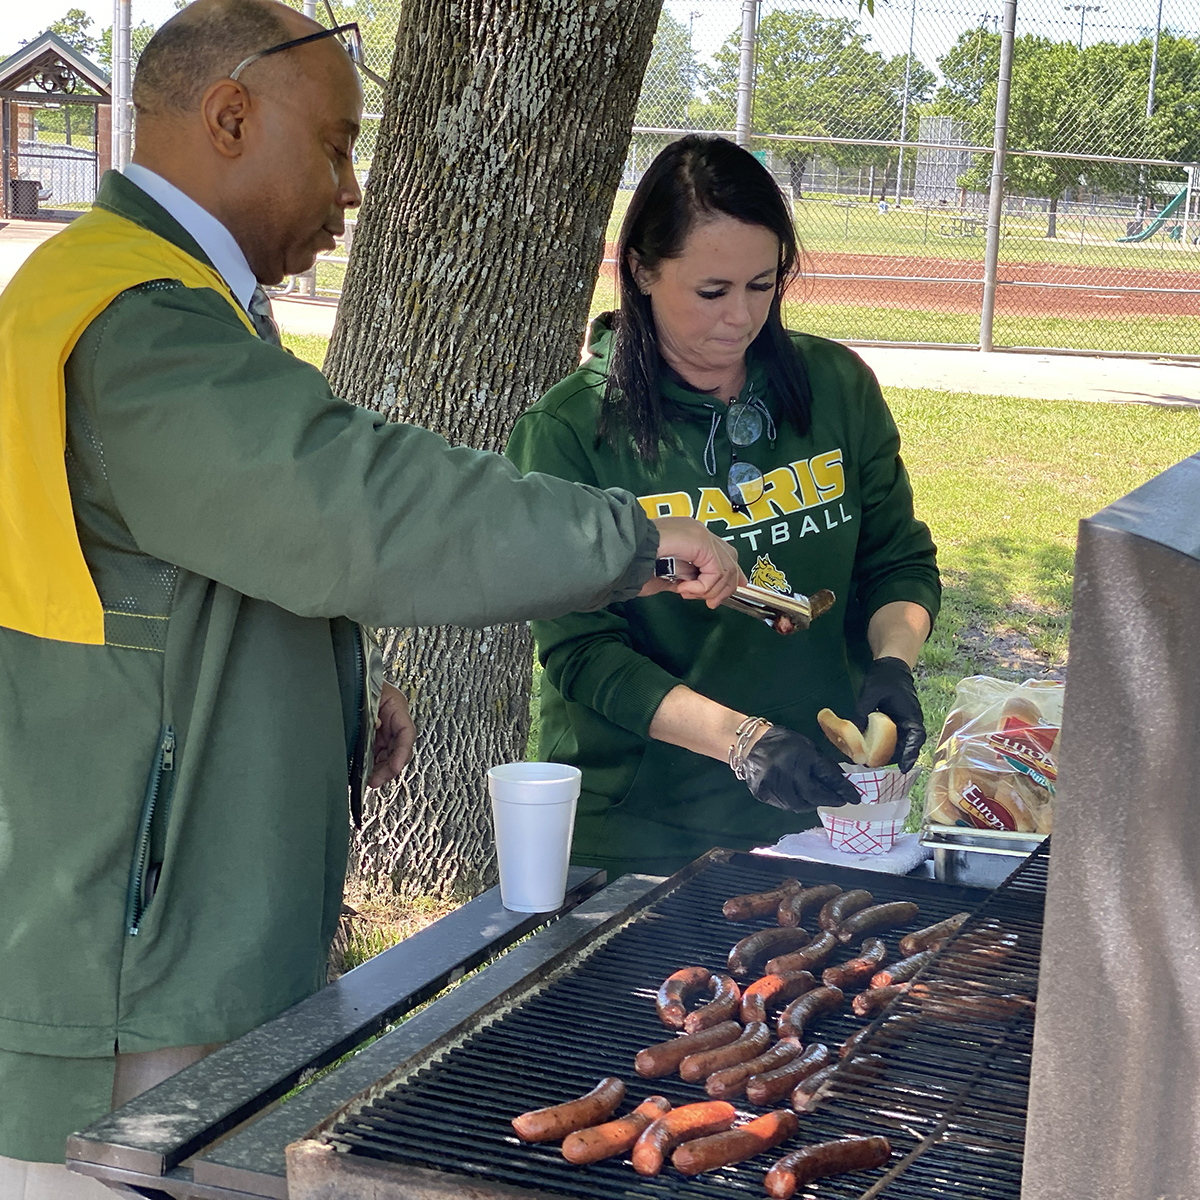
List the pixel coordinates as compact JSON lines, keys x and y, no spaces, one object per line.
{"x":745,"y":423}
{"x":351,"y":43}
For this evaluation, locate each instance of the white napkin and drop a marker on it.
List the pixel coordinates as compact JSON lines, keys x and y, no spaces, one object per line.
{"x":812,"y":845}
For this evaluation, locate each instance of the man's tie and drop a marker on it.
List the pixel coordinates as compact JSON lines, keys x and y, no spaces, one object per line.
{"x":261,"y":319}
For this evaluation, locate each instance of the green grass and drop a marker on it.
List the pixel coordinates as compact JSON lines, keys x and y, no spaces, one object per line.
{"x":311,"y":347}
{"x":1003,"y":483}
{"x":854,"y":225}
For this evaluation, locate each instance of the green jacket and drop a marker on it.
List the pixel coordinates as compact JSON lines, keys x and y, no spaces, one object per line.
{"x":837,"y":513}
{"x":238,"y":521}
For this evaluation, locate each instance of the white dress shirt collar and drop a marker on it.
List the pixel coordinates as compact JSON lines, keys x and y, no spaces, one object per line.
{"x":212,"y":237}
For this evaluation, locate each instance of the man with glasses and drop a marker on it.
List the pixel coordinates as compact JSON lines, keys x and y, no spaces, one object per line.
{"x":191,"y":530}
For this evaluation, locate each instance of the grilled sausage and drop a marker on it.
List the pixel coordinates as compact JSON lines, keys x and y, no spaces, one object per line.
{"x":804,"y":1098}
{"x":873,"y":1001}
{"x":872,"y":956}
{"x":932,"y":936}
{"x":875,"y":919}
{"x":681,"y":1124}
{"x":757,"y":904}
{"x":754,"y":1040}
{"x":724,"y":1085}
{"x":829,"y":1158}
{"x":675,"y":992}
{"x":735,"y":1145}
{"x":987,"y":945}
{"x":957,"y":1002}
{"x":772,"y":1086}
{"x":616,"y":1137}
{"x":792,"y":908}
{"x":806,"y":1008}
{"x":551,"y":1124}
{"x":722,"y":1007}
{"x":811,"y":958}
{"x":770,"y":990}
{"x":747,"y":957}
{"x":902,"y":971}
{"x":662,"y":1059}
{"x":834,"y":912}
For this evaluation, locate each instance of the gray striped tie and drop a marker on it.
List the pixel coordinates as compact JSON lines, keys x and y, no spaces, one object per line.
{"x":261,"y":319}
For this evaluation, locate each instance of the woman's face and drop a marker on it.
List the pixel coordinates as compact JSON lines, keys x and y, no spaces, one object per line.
{"x":710,"y":303}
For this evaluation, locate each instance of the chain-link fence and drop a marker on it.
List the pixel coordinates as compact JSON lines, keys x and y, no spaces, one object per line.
{"x":881,"y":129}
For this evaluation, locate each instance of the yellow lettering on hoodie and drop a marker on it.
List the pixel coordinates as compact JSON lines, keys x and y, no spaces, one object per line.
{"x":714,"y":506}
{"x":828,"y":475}
{"x":667,"y":504}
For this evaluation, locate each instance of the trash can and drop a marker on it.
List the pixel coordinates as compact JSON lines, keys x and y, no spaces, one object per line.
{"x":25,"y":197}
{"x":1132,"y":228}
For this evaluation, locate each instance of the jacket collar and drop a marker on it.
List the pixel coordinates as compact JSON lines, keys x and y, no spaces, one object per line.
{"x":123,"y":197}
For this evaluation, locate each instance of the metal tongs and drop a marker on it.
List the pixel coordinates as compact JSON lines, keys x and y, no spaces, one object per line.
{"x":785,"y":612}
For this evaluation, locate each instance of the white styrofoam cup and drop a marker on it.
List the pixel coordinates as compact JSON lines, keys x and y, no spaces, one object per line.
{"x":533,"y":814}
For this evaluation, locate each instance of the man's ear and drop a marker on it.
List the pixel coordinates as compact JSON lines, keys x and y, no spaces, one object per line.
{"x":641,"y":276}
{"x":223,"y":109}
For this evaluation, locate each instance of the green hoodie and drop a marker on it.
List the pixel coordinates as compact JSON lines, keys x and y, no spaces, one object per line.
{"x":238,"y":521}
{"x":837,"y":513}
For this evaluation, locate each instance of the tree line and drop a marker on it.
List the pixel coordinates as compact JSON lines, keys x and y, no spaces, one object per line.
{"x":817,"y":76}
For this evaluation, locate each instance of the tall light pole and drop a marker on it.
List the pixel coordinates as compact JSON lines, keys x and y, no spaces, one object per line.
{"x":121,"y":108}
{"x":1082,"y":10}
{"x":692,"y":15}
{"x":1154,"y":64}
{"x":912,"y":25}
{"x":745,"y":86}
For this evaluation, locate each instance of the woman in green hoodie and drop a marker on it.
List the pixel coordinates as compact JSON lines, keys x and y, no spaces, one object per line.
{"x":698,"y":728}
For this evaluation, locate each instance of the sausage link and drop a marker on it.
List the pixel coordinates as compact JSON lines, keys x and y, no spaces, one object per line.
{"x":806,"y":1008}
{"x":772,"y":1086}
{"x":902,"y":971}
{"x":724,"y":1085}
{"x":675,"y":992}
{"x":948,"y":1001}
{"x":747,"y":957}
{"x":792,"y":908}
{"x":873,"y":1001}
{"x":754,"y":1040}
{"x":872,"y":956}
{"x":875,"y":919}
{"x":834,"y":912}
{"x":663,"y":1058}
{"x":804,"y":1098}
{"x":736,"y":1145}
{"x":722,"y":1007}
{"x":551,"y":1124}
{"x":681,"y":1124}
{"x":770,"y":990}
{"x":757,"y":904}
{"x":811,"y":958}
{"x":616,"y":1137}
{"x":829,"y":1158}
{"x":932,"y":936}
{"x":894,"y":1028}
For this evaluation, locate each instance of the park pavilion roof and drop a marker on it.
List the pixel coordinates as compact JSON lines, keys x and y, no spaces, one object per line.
{"x":52,"y":65}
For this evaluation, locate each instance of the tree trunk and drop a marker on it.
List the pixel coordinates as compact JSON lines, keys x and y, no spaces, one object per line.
{"x":1052,"y":221}
{"x":470,"y":282}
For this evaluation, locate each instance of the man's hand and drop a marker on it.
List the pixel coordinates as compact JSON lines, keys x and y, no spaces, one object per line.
{"x":689,"y":541}
{"x":395,"y":734}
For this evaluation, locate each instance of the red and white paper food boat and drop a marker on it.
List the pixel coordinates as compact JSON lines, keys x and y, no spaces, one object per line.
{"x":865,"y":828}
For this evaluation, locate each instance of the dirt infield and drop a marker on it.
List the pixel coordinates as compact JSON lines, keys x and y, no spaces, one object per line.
{"x":1095,"y":301}
{"x":1088,"y":298}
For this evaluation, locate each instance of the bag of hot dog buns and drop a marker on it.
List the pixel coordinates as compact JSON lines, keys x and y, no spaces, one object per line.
{"x":995,"y":766}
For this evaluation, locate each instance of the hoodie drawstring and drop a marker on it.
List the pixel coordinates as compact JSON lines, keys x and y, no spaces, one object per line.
{"x":710,"y":450}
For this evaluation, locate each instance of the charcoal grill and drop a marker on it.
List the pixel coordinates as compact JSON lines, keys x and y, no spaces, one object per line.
{"x":950,"y":1094}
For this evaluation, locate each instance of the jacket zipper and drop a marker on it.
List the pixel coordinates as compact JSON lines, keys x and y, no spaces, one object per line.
{"x":135,"y":906}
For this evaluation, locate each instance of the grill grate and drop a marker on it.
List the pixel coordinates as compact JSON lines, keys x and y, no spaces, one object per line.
{"x":951,"y":1095}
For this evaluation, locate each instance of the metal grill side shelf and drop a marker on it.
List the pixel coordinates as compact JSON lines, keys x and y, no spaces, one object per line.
{"x":950,"y":1096}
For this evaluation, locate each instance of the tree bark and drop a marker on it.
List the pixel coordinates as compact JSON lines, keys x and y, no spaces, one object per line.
{"x":469,"y":285}
{"x":1052,"y":220}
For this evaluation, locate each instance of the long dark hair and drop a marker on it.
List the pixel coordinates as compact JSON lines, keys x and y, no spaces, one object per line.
{"x":694,"y":176}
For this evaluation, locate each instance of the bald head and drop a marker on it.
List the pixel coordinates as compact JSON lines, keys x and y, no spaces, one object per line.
{"x":205,"y":42}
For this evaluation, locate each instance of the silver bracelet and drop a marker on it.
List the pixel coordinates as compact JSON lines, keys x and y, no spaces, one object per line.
{"x":741,"y":744}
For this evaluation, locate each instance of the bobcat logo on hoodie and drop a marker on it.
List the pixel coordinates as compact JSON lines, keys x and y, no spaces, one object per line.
{"x":767,"y":575}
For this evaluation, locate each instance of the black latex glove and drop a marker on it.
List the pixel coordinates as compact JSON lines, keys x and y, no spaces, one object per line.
{"x":888,"y":688}
{"x":786,"y":770}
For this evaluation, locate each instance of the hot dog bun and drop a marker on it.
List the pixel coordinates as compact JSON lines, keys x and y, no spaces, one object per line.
{"x":872,"y":749}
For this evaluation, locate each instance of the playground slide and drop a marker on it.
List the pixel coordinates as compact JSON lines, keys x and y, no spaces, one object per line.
{"x":1158,"y":221}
